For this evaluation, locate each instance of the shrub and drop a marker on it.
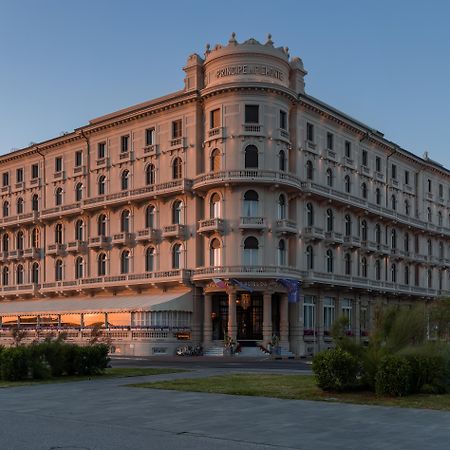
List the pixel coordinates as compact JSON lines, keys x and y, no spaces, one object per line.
{"x":335,"y":370}
{"x":393,"y":376}
{"x":14,"y":363}
{"x":53,"y":352}
{"x":37,"y":363}
{"x":94,"y":359}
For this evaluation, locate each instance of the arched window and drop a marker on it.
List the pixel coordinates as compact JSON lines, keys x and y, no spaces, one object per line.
{"x":79,"y":268}
{"x":58,"y":233}
{"x":429,"y":278}
{"x":310,"y":257}
{"x":407,"y":207}
{"x":394,"y":202}
{"x":251,"y":247}
{"x":35,"y":238}
{"x":251,"y":157}
{"x":176,"y":256}
{"x":329,"y":260}
{"x":5,"y":242}
{"x":19,"y":240}
{"x":364,"y":190}
{"x":101,"y":264}
{"x":78,"y":192}
{"x":282,"y":260}
{"x":58,"y":270}
{"x":330,"y":220}
{"x":393,"y":238}
{"x":125,"y":262}
{"x":348,"y":264}
{"x":177,"y":212}
{"x":177,"y":168}
{"x":440,"y":218}
{"x":282,"y":161}
{"x":429,"y":215}
{"x":215,"y":253}
{"x":441,"y":250}
{"x":309,"y":170}
{"x":125,"y":180}
{"x":215,"y":160}
{"x":5,"y":209}
{"x":251,"y":204}
{"x":406,"y":275}
{"x":406,"y":242}
{"x":394,"y":273}
{"x":5,"y":276}
{"x":101,"y":225}
{"x":150,"y":175}
{"x":329,"y":178}
{"x":378,"y":270}
{"x":281,"y":207}
{"x":377,"y":196}
{"x":214,"y":206}
{"x":430,"y":247}
{"x":348,"y":225}
{"x":364,"y":230}
{"x":364,"y":267}
{"x":35,"y":273}
{"x":347,"y":184}
{"x":19,"y":205}
{"x":102,"y":185}
{"x":19,"y":274}
{"x":150,"y":255}
{"x":150,"y":221}
{"x":309,"y":214}
{"x":378,"y":233}
{"x":35,"y":203}
{"x":59,"y":196}
{"x":79,"y":230}
{"x":125,"y":221}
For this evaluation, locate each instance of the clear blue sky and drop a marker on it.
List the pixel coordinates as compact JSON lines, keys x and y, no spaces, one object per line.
{"x":387,"y":63}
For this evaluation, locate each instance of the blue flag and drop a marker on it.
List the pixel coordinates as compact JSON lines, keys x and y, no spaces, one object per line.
{"x":241,"y":285}
{"x":293,"y":288}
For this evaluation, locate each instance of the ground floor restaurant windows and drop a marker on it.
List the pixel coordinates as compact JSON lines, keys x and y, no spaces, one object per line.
{"x":309,"y":311}
{"x":328,"y":314}
{"x":346,"y":311}
{"x":161,"y":319}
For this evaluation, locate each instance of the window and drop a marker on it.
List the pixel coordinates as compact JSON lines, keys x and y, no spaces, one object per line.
{"x":58,"y":164}
{"x":5,"y":178}
{"x":406,"y":275}
{"x":309,"y":315}
{"x":441,"y":250}
{"x":124,"y":180}
{"x":214,"y":206}
{"x":394,"y":171}
{"x":346,"y":310}
{"x":177,"y":168}
{"x":347,"y":184}
{"x":215,"y":160}
{"x":58,"y":233}
{"x":19,"y":205}
{"x":282,"y":161}
{"x":5,"y":242}
{"x":378,"y":270}
{"x":125,"y":218}
{"x":5,"y":276}
{"x":365,"y":161}
{"x":378,"y":196}
{"x":330,"y":139}
{"x":125,"y":262}
{"x":102,"y":185}
{"x":394,"y":273}
{"x":407,"y":211}
{"x":101,"y":265}
{"x":329,"y":220}
{"x":364,"y":230}
{"x":329,"y":261}
{"x":149,"y":136}
{"x":329,"y":174}
{"x":364,"y":190}
{"x":58,"y":270}
{"x":214,"y":116}
{"x":19,"y":274}
{"x":177,"y":131}
{"x":364,"y":267}
{"x":251,"y":199}
{"x":310,"y":132}
{"x":35,"y":238}
{"x":393,"y":239}
{"x":406,"y":242}
{"x":430,"y":247}
{"x":394,"y":202}
{"x":441,"y":191}
{"x":309,"y":170}
{"x":176,"y":256}
{"x":416,"y":243}
{"x":251,"y":157}
{"x":282,"y":260}
{"x":150,"y":174}
{"x":251,"y":247}
{"x":429,"y":278}
{"x":429,"y":185}
{"x":429,"y":215}
{"x":35,"y":273}
{"x":101,"y":225}
{"x":19,"y":175}
{"x":440,"y":218}
{"x":416,"y":275}
{"x":347,"y":264}
{"x":19,"y":240}
{"x":251,"y":114}
{"x":406,"y":177}
{"x":214,"y":253}
{"x":348,"y":225}
{"x":78,"y":158}
{"x":348,"y":149}
{"x":79,"y":230}
{"x":283,"y":120}
{"x":150,"y":259}
{"x":79,"y":268}
{"x":35,"y":203}
{"x":34,"y":171}
{"x":328,"y":313}
{"x":378,"y":164}
{"x":5,"y":208}
{"x":310,"y":257}
{"x":59,"y":196}
{"x":79,"y":192}
{"x":378,"y":233}
{"x":177,"y":209}
{"x":281,"y":207}
{"x":101,"y":150}
{"x":124,"y":143}
{"x":309,"y":214}
{"x":150,"y":221}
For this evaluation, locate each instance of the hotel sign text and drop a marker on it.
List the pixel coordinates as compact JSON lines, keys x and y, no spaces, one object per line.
{"x":245,"y":69}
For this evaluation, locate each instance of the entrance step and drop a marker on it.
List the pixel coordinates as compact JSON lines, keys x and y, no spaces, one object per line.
{"x":213,"y":351}
{"x":252,"y":352}
{"x":284,"y":354}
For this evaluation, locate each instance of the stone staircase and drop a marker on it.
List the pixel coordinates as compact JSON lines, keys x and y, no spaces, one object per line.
{"x":252,"y":352}
{"x":214,"y":351}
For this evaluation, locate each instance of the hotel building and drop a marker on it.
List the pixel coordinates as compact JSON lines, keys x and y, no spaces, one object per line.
{"x":124,"y":223}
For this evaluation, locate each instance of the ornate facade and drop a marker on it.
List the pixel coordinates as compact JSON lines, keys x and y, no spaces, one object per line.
{"x":176,"y":218}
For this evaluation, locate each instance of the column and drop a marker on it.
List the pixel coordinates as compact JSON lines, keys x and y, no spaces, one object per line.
{"x":267,"y":317}
{"x":207,"y":324}
{"x":284,"y":321}
{"x":232,"y":326}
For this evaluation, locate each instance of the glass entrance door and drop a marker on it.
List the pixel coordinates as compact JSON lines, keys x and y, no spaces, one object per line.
{"x":249,"y":316}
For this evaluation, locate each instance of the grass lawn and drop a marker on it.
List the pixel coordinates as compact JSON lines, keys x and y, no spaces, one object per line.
{"x":293,"y":387}
{"x":118,"y":372}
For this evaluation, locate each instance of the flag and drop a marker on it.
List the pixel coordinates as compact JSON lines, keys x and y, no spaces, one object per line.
{"x":241,"y":285}
{"x":293,"y":288}
{"x":219,"y":283}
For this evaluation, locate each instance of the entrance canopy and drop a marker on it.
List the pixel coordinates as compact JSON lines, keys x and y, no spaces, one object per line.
{"x":174,"y":301}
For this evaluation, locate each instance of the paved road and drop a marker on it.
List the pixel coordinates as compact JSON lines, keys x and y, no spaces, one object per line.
{"x":105,"y":414}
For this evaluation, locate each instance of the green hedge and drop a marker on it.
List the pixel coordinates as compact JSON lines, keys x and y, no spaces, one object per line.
{"x":394,"y":376}
{"x":52,"y":359}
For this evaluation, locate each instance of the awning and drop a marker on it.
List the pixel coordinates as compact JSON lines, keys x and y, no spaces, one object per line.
{"x":175,"y":301}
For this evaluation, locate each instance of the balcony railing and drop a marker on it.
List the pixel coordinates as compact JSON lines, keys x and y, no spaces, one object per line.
{"x":151,"y":150}
{"x":286,"y":226}
{"x":211,"y":225}
{"x":333,"y":237}
{"x":56,"y":249}
{"x":250,"y":129}
{"x":176,"y":231}
{"x":215,"y":133}
{"x":252,"y":223}
{"x":312,"y":233}
{"x":149,"y":235}
{"x":352,"y":241}
{"x":177,"y":143}
{"x":99,"y":242}
{"x":32,"y":253}
{"x":124,"y":238}
{"x":77,"y":247}
{"x":71,"y":209}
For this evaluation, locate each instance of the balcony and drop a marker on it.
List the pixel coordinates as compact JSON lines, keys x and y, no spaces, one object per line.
{"x":286,"y":226}
{"x":102,"y":163}
{"x":250,"y":129}
{"x":177,"y":144}
{"x":20,"y":186}
{"x":79,"y":171}
{"x":352,"y":241}
{"x":333,"y":238}
{"x":151,"y":150}
{"x":4,"y":256}
{"x":348,"y":162}
{"x":61,"y":175}
{"x":147,"y":235}
{"x":395,"y":254}
{"x":56,"y":249}
{"x":77,"y":247}
{"x":365,"y":170}
{"x":21,"y":219}
{"x":99,"y":242}
{"x":175,"y":231}
{"x":215,"y":133}
{"x":32,"y":253}
{"x":252,"y":223}
{"x":329,"y":154}
{"x":312,"y":234}
{"x":368,"y":246}
{"x":206,"y":226}
{"x":126,"y":157}
{"x":5,"y":190}
{"x":383,"y":249}
{"x":35,"y":182}
{"x":311,"y":146}
{"x":59,"y":211}
{"x":124,"y":238}
{"x":14,"y":255}
{"x":282,"y":135}
{"x":20,"y":290}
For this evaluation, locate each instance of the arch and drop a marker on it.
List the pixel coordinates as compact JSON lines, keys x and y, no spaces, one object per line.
{"x":177,"y":212}
{"x":440,"y":218}
{"x":364,"y":267}
{"x":58,"y":196}
{"x":309,"y":170}
{"x":125,"y":219}
{"x":176,"y":255}
{"x":177,"y":168}
{"x":329,"y":220}
{"x":251,"y":250}
{"x":58,"y":270}
{"x":251,"y":199}
{"x":102,"y":222}
{"x":5,"y":242}
{"x":348,"y":225}
{"x":364,"y":190}
{"x":101,"y":185}
{"x":79,"y":230}
{"x":347,"y":184}
{"x":215,"y":252}
{"x":150,"y":216}
{"x":309,"y":214}
{"x":125,"y":180}
{"x":347,"y":264}
{"x":79,"y":192}
{"x":35,"y":203}
{"x":251,"y":157}
{"x":329,"y":175}
{"x":35,"y":273}
{"x":215,"y":206}
{"x":282,"y":162}
{"x":215,"y":160}
{"x":19,"y":274}
{"x":429,"y":215}
{"x":329,"y":258}
{"x":79,"y":267}
{"x":19,"y":205}
{"x":35,"y":238}
{"x":101,"y":264}
{"x":310,"y":257}
{"x":282,"y":207}
{"x":125,"y":257}
{"x":364,"y":230}
{"x":150,"y":174}
{"x":5,"y":208}
{"x":20,"y":240}
{"x":150,"y":256}
{"x":5,"y":276}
